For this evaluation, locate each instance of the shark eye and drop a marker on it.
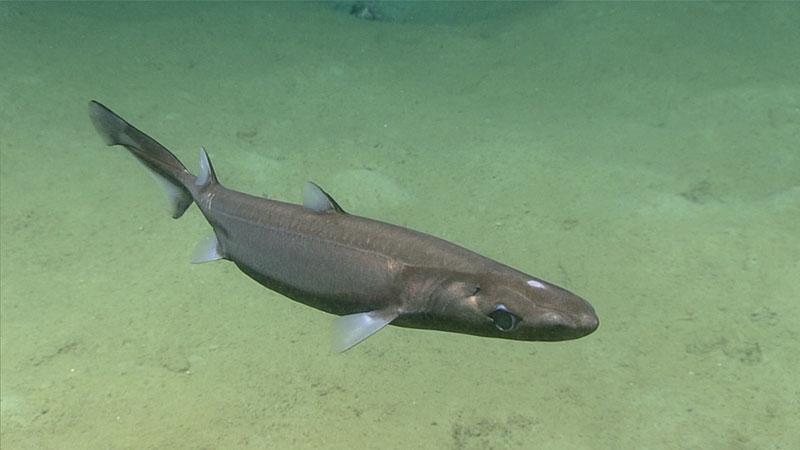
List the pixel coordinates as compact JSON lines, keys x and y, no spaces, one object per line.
{"x":503,"y":319}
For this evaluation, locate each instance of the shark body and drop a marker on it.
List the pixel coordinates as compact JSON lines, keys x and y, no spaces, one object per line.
{"x":368,"y":272}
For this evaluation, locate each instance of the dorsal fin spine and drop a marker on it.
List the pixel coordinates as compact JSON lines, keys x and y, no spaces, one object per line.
{"x":206,"y":177}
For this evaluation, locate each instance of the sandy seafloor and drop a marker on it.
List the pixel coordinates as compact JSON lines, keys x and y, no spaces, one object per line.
{"x":645,"y":156}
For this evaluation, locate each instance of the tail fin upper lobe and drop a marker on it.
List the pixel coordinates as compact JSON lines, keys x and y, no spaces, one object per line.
{"x":160,"y":162}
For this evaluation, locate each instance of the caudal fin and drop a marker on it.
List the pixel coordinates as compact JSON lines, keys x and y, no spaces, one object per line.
{"x":160,"y":162}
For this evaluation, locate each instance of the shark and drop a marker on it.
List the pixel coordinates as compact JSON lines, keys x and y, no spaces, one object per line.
{"x":369,"y":273}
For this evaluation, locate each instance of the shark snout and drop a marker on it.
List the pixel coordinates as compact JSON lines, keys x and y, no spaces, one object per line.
{"x":588,"y":322}
{"x":584,"y":321}
{"x":559,"y":326}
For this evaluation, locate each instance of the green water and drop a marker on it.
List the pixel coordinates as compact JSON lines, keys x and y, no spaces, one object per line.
{"x":644,"y":155}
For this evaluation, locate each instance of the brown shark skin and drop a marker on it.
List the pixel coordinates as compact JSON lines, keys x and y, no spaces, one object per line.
{"x":345,"y":264}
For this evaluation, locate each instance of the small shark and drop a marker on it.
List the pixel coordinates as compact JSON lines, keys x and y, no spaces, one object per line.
{"x":368,"y":272}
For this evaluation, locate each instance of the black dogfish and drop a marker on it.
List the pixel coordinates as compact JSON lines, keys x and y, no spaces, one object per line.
{"x":368,"y":272}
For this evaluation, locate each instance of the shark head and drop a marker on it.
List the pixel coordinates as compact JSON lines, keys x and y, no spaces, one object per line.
{"x":526,"y":308}
{"x":503,"y":303}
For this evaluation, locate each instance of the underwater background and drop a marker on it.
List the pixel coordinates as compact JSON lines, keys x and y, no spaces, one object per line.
{"x":645,"y":156}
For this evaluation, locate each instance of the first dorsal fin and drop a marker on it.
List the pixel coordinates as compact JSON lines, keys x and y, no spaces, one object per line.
{"x":318,"y":200}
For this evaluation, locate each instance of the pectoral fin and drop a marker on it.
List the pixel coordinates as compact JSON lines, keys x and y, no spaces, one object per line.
{"x":347,"y":331}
